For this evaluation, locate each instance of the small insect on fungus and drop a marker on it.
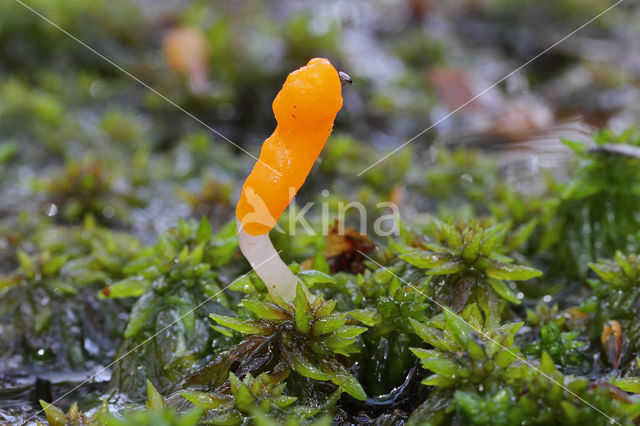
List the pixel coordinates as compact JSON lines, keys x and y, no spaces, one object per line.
{"x":305,"y":109}
{"x":344,"y":77}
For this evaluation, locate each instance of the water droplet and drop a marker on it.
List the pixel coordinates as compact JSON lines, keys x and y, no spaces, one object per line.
{"x":325,"y":192}
{"x":547,"y":298}
{"x":520,"y":295}
{"x":96,"y":89}
{"x":52,"y":210}
{"x":108,"y":212}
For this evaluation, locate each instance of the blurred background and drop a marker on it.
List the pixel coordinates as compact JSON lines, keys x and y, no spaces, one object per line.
{"x":413,"y":62}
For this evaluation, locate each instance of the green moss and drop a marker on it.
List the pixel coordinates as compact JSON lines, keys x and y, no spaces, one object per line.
{"x":311,"y":337}
{"x":89,"y":187}
{"x":263,"y":393}
{"x":561,"y":346}
{"x":177,"y":285}
{"x":598,"y":213}
{"x":483,"y":378}
{"x":459,"y":175}
{"x":46,"y":299}
{"x":616,"y":297}
{"x":466,"y":264}
{"x":74,"y":295}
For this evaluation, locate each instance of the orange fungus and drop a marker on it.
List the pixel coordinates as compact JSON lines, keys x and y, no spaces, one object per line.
{"x":186,"y":52}
{"x":305,"y":109}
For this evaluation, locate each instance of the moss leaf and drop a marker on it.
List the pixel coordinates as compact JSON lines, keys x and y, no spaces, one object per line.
{"x":508,"y":271}
{"x":140,"y":312}
{"x":628,"y":384}
{"x":129,"y":287}
{"x":268,"y":311}
{"x":303,"y":310}
{"x":304,"y":367}
{"x":154,"y":399}
{"x":312,"y":277}
{"x":241,"y":325}
{"x":504,"y":291}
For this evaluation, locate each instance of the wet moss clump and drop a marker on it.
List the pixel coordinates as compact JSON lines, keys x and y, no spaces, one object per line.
{"x":598,"y":210}
{"x":614,"y":308}
{"x":47,"y":299}
{"x":481,"y":377}
{"x":308,"y":338}
{"x":85,"y":188}
{"x":442,"y":323}
{"x":176,"y":284}
{"x":505,"y":292}
{"x":467,"y":263}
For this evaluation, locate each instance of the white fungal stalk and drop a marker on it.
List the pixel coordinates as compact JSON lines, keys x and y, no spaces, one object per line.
{"x":263,"y":257}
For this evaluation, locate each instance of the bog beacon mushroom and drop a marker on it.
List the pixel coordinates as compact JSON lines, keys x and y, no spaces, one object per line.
{"x":305,"y":109}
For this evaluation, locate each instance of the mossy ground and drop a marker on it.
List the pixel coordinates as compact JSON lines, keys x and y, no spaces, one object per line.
{"x":510,"y":294}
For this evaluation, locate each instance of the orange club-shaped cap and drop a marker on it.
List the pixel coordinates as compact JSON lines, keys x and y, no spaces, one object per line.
{"x":305,"y":109}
